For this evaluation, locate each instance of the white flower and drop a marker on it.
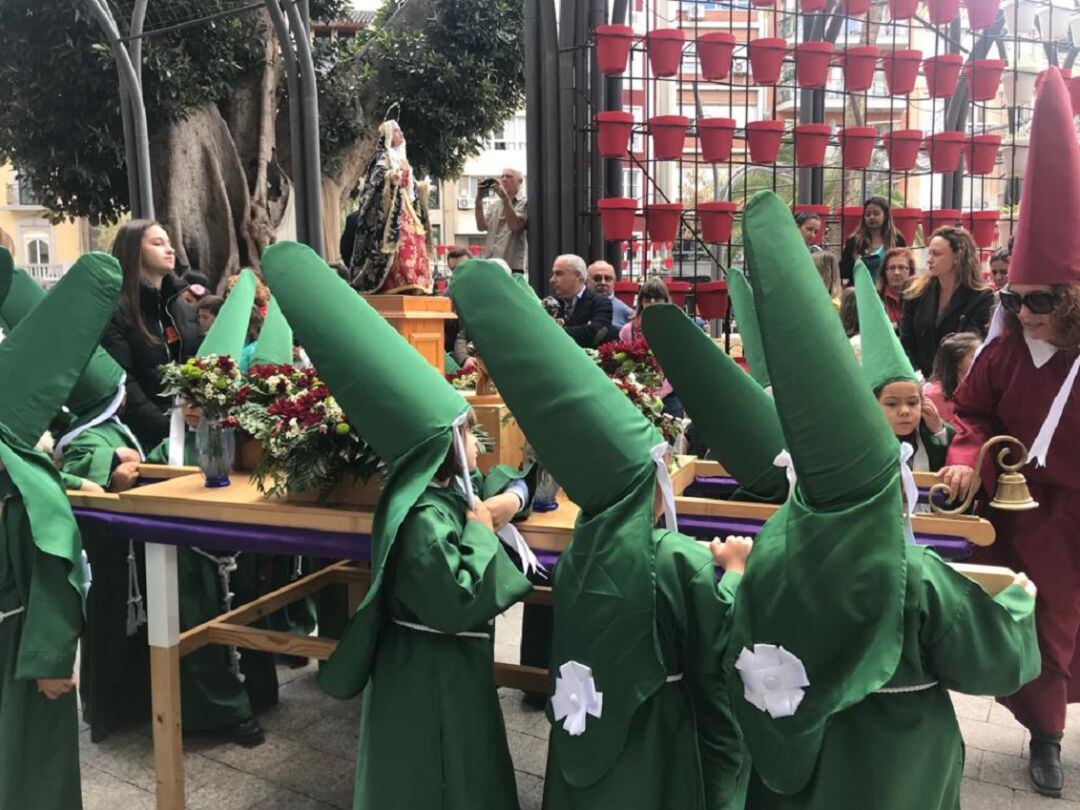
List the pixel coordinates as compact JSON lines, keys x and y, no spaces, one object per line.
{"x":575,"y":696}
{"x":773,"y":679}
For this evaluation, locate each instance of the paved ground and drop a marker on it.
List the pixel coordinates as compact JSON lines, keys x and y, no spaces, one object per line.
{"x":307,"y":760}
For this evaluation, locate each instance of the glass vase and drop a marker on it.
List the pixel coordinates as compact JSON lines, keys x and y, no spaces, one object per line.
{"x":546,"y":490}
{"x":215,"y":445}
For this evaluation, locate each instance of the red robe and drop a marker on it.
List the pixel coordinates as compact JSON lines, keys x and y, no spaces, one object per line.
{"x":1006,"y":393}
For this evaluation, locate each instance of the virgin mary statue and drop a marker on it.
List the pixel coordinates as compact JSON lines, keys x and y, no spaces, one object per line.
{"x":390,"y":253}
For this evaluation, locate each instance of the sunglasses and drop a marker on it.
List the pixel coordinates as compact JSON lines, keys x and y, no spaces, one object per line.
{"x":1038,"y":303}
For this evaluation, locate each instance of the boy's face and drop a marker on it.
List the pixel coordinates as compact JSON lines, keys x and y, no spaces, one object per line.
{"x":472,"y":449}
{"x":901,"y":402}
{"x":206,"y":320}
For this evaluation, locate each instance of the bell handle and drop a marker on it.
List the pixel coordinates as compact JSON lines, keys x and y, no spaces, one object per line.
{"x":1012,"y":443}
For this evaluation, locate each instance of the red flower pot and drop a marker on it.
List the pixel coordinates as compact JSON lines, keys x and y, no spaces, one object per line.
{"x":942,"y":73}
{"x":806,"y":6}
{"x":662,"y":221}
{"x":980,"y":153}
{"x":613,"y":133}
{"x":668,"y":135}
{"x":617,"y":217}
{"x":678,"y":290}
{"x":763,"y":3}
{"x":854,"y":7}
{"x":857,"y":145}
{"x":810,"y":143}
{"x":983,"y":227}
{"x":821,"y":210}
{"x":715,"y":135}
{"x":901,"y":69}
{"x":903,"y":9}
{"x":612,"y":48}
{"x":714,"y":52}
{"x":766,"y":58}
{"x":626,"y":291}
{"x":984,"y":76}
{"x":711,"y":298}
{"x":937,"y":218}
{"x":859,"y":64}
{"x":849,"y":219}
{"x":944,"y":149}
{"x":665,"y":50}
{"x":716,"y":220}
{"x":812,"y":63}
{"x":942,"y":11}
{"x":902,"y":147}
{"x":764,"y":140}
{"x":981,"y":13}
{"x":906,"y":221}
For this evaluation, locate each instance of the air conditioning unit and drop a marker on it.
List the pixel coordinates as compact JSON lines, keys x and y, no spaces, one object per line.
{"x":464,"y":202}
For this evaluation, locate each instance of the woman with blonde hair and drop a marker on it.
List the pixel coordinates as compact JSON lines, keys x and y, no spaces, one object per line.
{"x":829,"y":269}
{"x":948,"y":298}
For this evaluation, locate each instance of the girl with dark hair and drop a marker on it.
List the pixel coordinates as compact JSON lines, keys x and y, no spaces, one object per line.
{"x":951,"y":365}
{"x":810,"y":226}
{"x":152,"y":325}
{"x":874,"y":237}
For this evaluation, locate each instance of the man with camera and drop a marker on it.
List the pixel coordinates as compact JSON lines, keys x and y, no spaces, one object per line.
{"x":505,"y":220}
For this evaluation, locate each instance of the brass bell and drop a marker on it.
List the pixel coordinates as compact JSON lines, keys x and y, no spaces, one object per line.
{"x":1012,"y":493}
{"x":1012,"y":489}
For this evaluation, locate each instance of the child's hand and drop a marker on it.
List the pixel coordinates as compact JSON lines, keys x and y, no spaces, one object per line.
{"x":731,"y":554}
{"x":1022,"y":580}
{"x":126,"y":454}
{"x":91,"y":486}
{"x":52,"y":688}
{"x":124,"y":477}
{"x":959,"y":478}
{"x":930,"y":415}
{"x":481,"y":513}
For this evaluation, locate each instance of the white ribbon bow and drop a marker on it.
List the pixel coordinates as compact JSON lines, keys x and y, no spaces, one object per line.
{"x":910,"y":489}
{"x":575,"y":697}
{"x":774,"y":680}
{"x":512,"y":539}
{"x":784,"y":459}
{"x":663,"y":478}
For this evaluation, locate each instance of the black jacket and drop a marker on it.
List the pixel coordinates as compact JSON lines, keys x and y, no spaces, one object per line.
{"x":590,"y":323}
{"x":162,"y":312}
{"x":922,"y":329}
{"x":848,"y":257}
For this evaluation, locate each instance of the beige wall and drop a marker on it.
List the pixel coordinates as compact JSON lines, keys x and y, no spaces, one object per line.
{"x":66,"y":240}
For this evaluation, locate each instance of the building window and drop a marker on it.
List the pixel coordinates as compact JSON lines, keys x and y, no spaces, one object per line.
{"x":37,"y":250}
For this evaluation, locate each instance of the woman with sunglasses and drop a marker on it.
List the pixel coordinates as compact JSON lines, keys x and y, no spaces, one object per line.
{"x":1024,"y":384}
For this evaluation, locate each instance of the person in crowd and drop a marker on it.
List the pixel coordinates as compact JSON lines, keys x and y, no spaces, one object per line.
{"x":849,"y":317}
{"x":999,"y":269}
{"x":507,"y":219}
{"x":584,"y":315}
{"x":151,"y":327}
{"x":43,"y":573}
{"x":810,"y":226}
{"x":639,"y":614}
{"x":652,"y":291}
{"x":898,"y":269}
{"x":198,"y":287}
{"x":949,"y":297}
{"x":846,"y":640}
{"x":742,"y":307}
{"x":951,"y":365}
{"x":829,"y":270}
{"x":262,"y":292}
{"x":1023,"y":383}
{"x":456,"y":255}
{"x":602,"y":282}
{"x":347,"y":243}
{"x":208,"y":310}
{"x":871,"y":240}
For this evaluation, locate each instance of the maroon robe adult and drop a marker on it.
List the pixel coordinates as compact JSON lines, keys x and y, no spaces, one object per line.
{"x":1006,"y":393}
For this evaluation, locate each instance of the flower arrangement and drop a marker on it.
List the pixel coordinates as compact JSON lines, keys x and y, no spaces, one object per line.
{"x":210,"y":382}
{"x":461,"y":379}
{"x":632,"y":366}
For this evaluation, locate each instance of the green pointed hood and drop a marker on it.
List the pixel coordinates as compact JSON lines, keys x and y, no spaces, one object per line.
{"x":228,"y":332}
{"x":883,"y":358}
{"x":826,"y":580}
{"x":275,"y":344}
{"x":742,"y":303}
{"x":735,"y":416}
{"x":394,"y":398}
{"x":599,"y":448}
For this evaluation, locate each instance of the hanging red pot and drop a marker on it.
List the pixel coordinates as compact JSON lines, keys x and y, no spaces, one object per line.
{"x":665,"y":50}
{"x":859,"y":64}
{"x":902,"y":147}
{"x":903,"y":9}
{"x":942,"y":12}
{"x":763,"y":3}
{"x":711,"y":299}
{"x":984,"y":76}
{"x":714,"y":52}
{"x":981,"y":13}
{"x":901,"y":70}
{"x":938,"y":218}
{"x":678,"y":290}
{"x":942,"y":72}
{"x":715,"y":136}
{"x":822,"y":211}
{"x":810,"y":143}
{"x":806,"y":6}
{"x":850,"y":215}
{"x":906,"y":220}
{"x":852,"y":8}
{"x":626,"y":291}
{"x":662,"y":221}
{"x":612,"y":48}
{"x":764,"y":140}
{"x":716,"y":220}
{"x":983,"y":227}
{"x":668,"y":135}
{"x":812,"y":61}
{"x":613,"y":133}
{"x":980,"y":153}
{"x":766,"y":58}
{"x":857,"y":146}
{"x":944,"y":149}
{"x":617,"y":217}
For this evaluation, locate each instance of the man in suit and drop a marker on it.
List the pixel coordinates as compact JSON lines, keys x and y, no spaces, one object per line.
{"x":584,"y":315}
{"x":602,"y":282}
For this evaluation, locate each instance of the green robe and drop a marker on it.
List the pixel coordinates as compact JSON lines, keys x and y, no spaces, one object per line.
{"x":39,"y":738}
{"x":432,"y":732}
{"x":683,"y":749}
{"x":905,"y":749}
